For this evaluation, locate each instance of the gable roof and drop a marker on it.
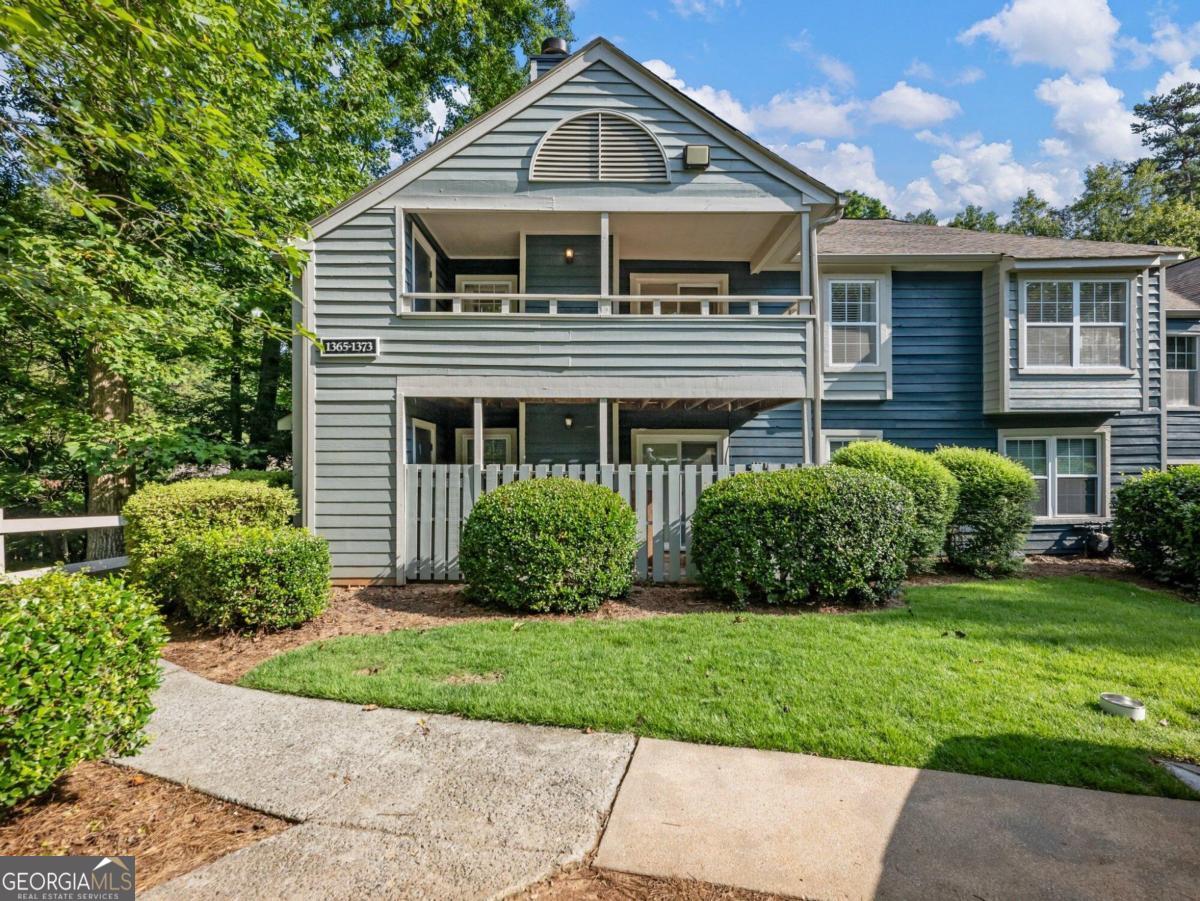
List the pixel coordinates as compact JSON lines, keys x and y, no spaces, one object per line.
{"x":893,"y":237}
{"x":596,"y":50}
{"x":1183,"y":287}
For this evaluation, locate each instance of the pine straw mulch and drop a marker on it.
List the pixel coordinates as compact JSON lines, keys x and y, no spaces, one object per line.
{"x":591,"y":884}
{"x":105,"y":810}
{"x":369,"y":610}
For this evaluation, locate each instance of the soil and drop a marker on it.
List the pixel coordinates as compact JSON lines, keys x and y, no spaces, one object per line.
{"x":591,"y":884}
{"x":104,"y":810}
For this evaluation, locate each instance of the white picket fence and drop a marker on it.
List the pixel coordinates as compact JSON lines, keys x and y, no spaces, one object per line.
{"x":440,"y":497}
{"x":59,"y":524}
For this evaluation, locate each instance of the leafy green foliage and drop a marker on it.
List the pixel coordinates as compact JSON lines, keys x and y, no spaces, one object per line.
{"x":78,"y":667}
{"x":828,"y":534}
{"x":251,"y":577}
{"x":925,"y":217}
{"x":550,"y":544}
{"x":864,"y":206}
{"x":159,"y":516}
{"x":276,"y":478}
{"x":975,"y":218}
{"x":934,"y":489}
{"x":1170,"y":127}
{"x":1033,"y":216}
{"x":1156,"y":525}
{"x":994,"y":514}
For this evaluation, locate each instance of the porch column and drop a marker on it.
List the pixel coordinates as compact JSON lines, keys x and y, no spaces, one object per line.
{"x":603,"y":431}
{"x":605,"y":306}
{"x":401,"y":562}
{"x":478,"y":433}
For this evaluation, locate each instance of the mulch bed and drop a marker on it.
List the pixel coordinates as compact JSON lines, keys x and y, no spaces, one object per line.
{"x":104,"y":810}
{"x":591,"y":884}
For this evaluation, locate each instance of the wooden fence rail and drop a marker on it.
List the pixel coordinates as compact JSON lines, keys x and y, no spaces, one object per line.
{"x":440,"y":497}
{"x":35,"y":525}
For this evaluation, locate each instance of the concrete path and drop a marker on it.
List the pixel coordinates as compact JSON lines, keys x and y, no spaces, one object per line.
{"x":818,"y":828}
{"x":390,"y":804}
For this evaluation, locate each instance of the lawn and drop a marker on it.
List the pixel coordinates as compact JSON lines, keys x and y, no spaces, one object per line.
{"x":996,"y":678}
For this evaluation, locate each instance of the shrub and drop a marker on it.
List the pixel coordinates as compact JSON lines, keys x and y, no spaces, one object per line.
{"x":276,"y":478}
{"x":251,"y":577}
{"x":934,"y":489}
{"x":549,"y":544}
{"x":79,"y":657}
{"x":825,"y":534}
{"x":995,"y":498}
{"x":159,"y":515}
{"x":1156,"y":525}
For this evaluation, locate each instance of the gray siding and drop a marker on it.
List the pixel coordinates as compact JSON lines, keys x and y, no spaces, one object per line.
{"x":993,"y":340}
{"x":497,"y":163}
{"x":1183,"y":436}
{"x":356,"y":269}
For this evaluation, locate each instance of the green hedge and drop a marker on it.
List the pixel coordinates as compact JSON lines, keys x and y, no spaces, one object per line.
{"x":995,"y":510}
{"x":549,"y":544}
{"x":1156,"y":525}
{"x":826,"y":534}
{"x":934,"y":489}
{"x":78,"y":666}
{"x":248,"y":577}
{"x":159,"y":515}
{"x":276,"y":478}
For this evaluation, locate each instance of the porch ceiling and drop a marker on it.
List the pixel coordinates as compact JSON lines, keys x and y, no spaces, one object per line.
{"x":650,"y":236}
{"x":753,"y":404}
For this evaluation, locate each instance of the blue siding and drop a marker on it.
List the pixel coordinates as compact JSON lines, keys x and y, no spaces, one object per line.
{"x":1183,"y":437}
{"x":768,"y":436}
{"x":457,"y":267}
{"x":548,"y":272}
{"x":548,"y":440}
{"x":937,"y":379}
{"x":741,"y":281}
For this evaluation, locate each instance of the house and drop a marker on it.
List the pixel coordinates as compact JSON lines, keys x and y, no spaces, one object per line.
{"x":1182,"y":408}
{"x":599,"y":277}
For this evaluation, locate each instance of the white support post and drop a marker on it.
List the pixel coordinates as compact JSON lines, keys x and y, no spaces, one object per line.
{"x":603,"y":431}
{"x":520,"y":431}
{"x":401,"y":564}
{"x":616,"y":432}
{"x":478,"y":432}
{"x":605,"y":271}
{"x":401,"y":263}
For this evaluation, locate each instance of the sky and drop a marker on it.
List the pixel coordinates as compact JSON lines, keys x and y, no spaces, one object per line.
{"x":925,"y":105}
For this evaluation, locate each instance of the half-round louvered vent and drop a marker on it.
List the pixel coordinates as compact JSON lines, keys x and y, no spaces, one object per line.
{"x":599,"y":146}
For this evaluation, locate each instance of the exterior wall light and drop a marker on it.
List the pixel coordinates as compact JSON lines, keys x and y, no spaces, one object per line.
{"x":695,"y":156}
{"x":569,"y":254}
{"x":568,"y":421}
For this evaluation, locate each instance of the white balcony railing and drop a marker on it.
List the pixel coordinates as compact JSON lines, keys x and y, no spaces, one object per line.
{"x":727,"y":305}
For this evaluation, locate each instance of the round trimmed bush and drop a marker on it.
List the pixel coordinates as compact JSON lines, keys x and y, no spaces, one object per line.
{"x":251,"y":577}
{"x":1156,"y":525}
{"x":276,"y":478}
{"x":80,"y":662}
{"x":995,"y":510}
{"x":549,"y":545}
{"x":827,"y":534}
{"x":934,"y":489}
{"x":159,"y":515}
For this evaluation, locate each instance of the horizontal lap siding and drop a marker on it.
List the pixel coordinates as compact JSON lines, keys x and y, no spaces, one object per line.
{"x":772,"y":436}
{"x":1183,"y":437}
{"x":937,"y":389}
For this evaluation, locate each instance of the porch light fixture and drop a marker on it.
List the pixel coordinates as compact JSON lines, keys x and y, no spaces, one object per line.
{"x":568,"y":421}
{"x":569,"y":254}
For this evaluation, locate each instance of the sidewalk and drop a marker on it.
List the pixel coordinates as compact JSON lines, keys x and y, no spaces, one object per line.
{"x":392,"y":804}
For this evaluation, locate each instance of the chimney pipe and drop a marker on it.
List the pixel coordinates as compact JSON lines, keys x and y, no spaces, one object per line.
{"x":554,"y":47}
{"x":554,"y":51}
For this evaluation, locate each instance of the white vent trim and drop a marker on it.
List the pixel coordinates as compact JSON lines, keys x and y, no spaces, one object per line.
{"x":600,"y":145}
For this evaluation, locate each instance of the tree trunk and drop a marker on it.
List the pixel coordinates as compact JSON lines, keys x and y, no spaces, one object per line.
{"x":109,"y":400}
{"x":262,"y":419}
{"x":235,"y":384}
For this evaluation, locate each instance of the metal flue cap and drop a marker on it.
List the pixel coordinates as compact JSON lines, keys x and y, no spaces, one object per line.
{"x":554,"y":46}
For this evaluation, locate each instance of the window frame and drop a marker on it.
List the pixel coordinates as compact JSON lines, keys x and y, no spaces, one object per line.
{"x":1076,"y":326}
{"x":1194,"y":380}
{"x":1051,"y":437}
{"x":462,"y":281}
{"x":883,"y":320}
{"x":463,"y":435}
{"x":828,"y":436}
{"x":718,"y":280}
{"x":420,"y":237}
{"x":638,"y":437}
{"x":431,"y":427}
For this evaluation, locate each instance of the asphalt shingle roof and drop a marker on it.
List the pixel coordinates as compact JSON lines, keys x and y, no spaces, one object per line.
{"x":1183,"y":287}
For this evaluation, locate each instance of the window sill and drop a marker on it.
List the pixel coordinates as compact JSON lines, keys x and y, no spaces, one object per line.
{"x":869,"y":368}
{"x":1083,"y":519}
{"x":1184,"y":408}
{"x":1077,"y":370}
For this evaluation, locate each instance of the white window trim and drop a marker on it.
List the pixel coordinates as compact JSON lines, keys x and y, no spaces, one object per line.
{"x":461,"y":282}
{"x":717,"y":280}
{"x":828,"y":436}
{"x":1076,"y":368}
{"x":428,"y":426}
{"x":883,"y":328}
{"x":1195,"y":391}
{"x":639,"y":437}
{"x":461,"y":436}
{"x":1102,"y":458}
{"x":419,"y":237}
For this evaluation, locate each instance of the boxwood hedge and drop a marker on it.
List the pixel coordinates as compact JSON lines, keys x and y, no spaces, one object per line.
{"x":827,"y":534}
{"x":1156,"y":525}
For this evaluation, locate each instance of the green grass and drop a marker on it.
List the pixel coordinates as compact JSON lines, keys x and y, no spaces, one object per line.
{"x":1015,"y":697}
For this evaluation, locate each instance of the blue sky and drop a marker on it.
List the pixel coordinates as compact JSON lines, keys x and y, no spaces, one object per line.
{"x":936,"y":104}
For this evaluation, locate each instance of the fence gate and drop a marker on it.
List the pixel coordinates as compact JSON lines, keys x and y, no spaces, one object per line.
{"x":440,"y":497}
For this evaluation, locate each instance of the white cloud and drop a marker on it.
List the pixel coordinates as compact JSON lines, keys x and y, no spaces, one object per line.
{"x":1091,"y":118}
{"x":1173,"y":78}
{"x":1055,"y":147}
{"x":813,"y":111}
{"x":844,"y":167}
{"x":703,"y":8}
{"x":912,"y":107}
{"x":919,"y":69}
{"x":1076,"y":35}
{"x":969,"y":75}
{"x":720,"y":102}
{"x":987,"y":174}
{"x":836,"y":71}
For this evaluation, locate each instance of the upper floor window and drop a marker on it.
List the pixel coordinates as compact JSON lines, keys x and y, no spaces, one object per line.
{"x":1076,"y":324}
{"x":853,"y":317}
{"x":1183,"y":375}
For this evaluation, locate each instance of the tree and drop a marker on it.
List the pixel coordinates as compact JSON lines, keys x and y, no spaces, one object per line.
{"x":975,"y":219}
{"x":1035,"y":217}
{"x":864,"y":206}
{"x":925,"y":217}
{"x":1132,"y":205}
{"x":1170,"y":128}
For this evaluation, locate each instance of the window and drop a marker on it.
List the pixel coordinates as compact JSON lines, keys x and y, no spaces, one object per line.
{"x":836,"y":440}
{"x":677,"y":286}
{"x":1076,"y":324}
{"x":422,"y":446}
{"x":1183,"y":377}
{"x":853,"y":322}
{"x":1067,"y":469}
{"x":688,"y":447}
{"x":484,"y":284}
{"x":499,"y":446}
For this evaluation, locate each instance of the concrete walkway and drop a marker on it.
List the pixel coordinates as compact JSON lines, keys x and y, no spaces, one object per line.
{"x":392,"y":804}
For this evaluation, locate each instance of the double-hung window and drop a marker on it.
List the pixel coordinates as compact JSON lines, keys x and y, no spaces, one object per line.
{"x":1076,"y":324}
{"x":1067,"y":469}
{"x":1183,"y":375}
{"x":853,"y":322}
{"x":485,"y":285}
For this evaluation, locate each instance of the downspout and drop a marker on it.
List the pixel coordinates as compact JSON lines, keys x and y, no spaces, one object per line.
{"x":818,"y":343}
